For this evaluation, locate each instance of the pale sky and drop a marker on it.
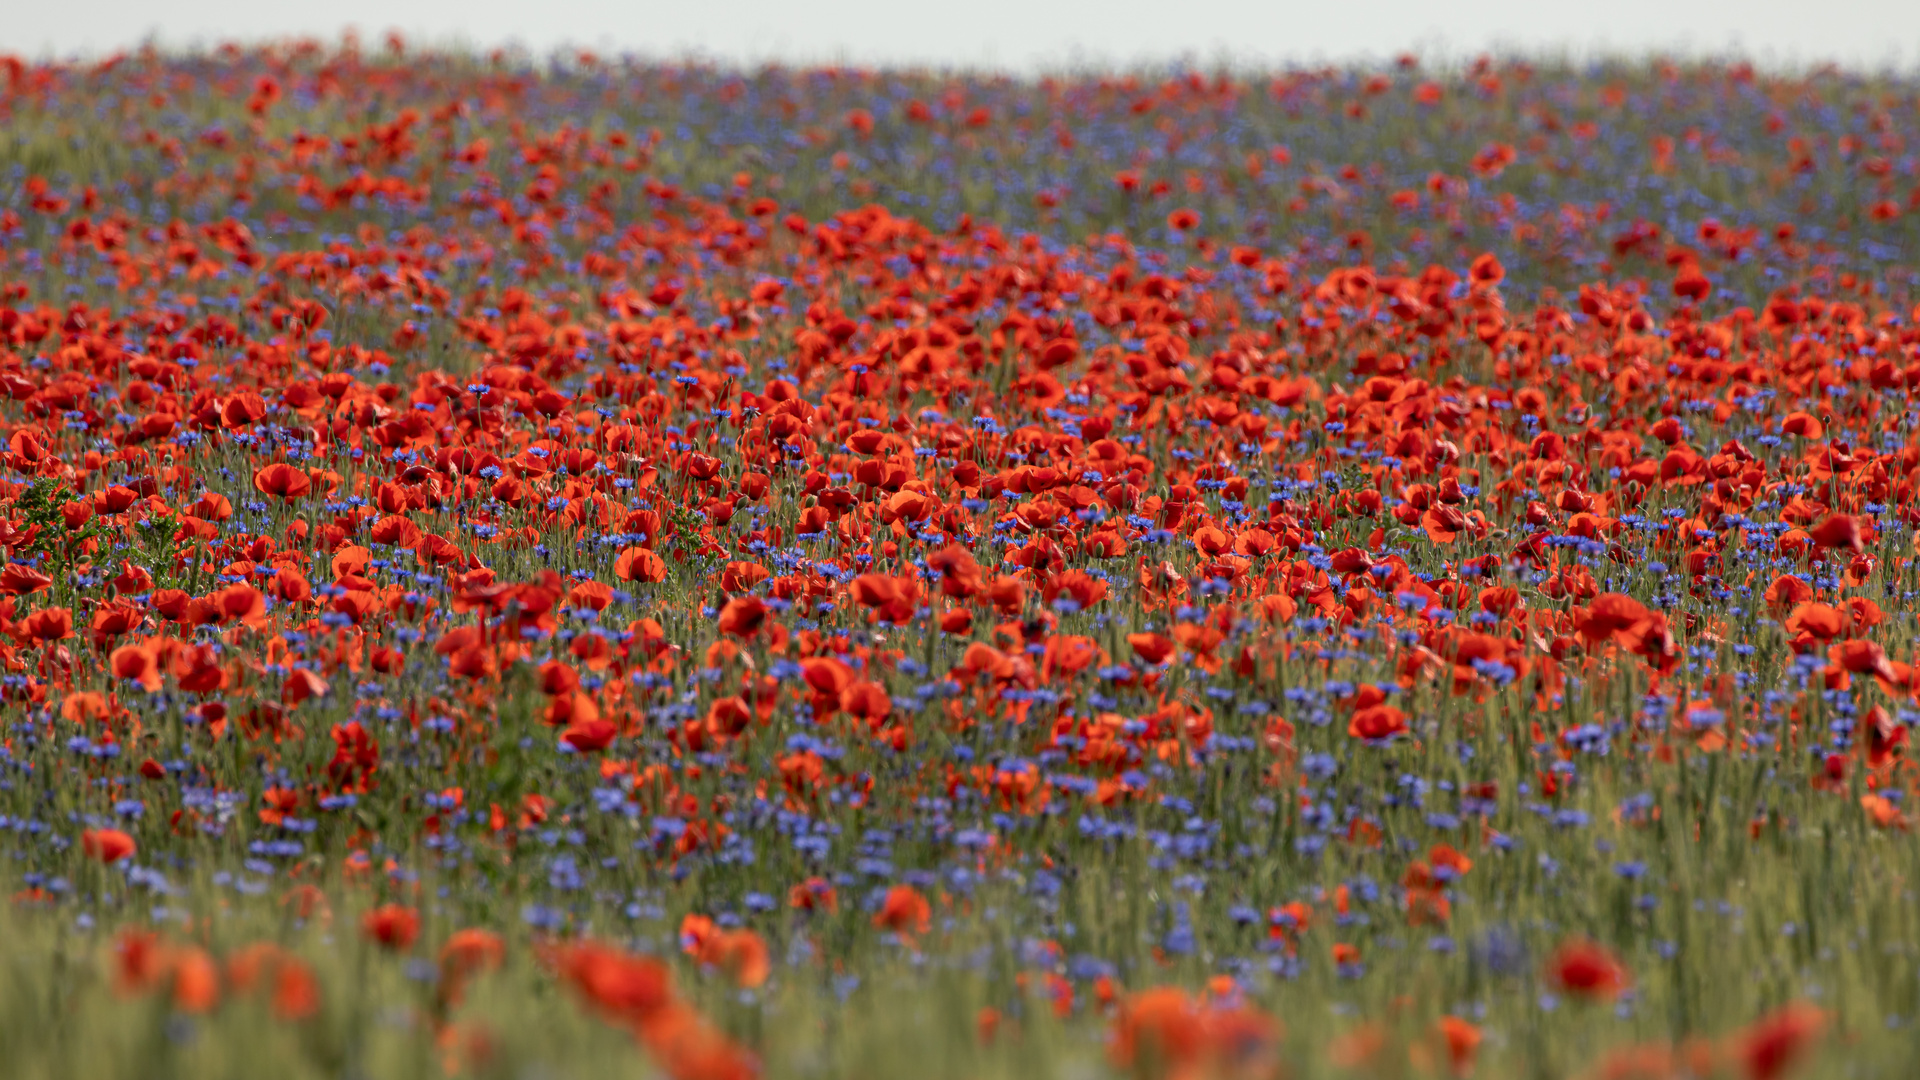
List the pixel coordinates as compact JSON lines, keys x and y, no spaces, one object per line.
{"x":1021,"y":35}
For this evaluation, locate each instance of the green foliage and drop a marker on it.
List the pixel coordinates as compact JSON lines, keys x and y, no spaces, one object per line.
{"x":40,"y":506}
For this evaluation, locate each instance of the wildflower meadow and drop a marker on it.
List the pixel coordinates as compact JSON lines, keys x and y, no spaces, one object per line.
{"x":571,"y":567}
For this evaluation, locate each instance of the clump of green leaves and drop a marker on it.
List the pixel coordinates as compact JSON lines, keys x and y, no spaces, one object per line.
{"x":161,"y":548}
{"x":41,"y":507}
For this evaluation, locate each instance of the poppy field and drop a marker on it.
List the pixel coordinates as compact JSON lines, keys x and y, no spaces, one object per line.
{"x":572,"y":567}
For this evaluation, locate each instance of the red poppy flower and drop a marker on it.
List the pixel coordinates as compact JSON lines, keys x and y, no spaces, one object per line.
{"x":1164,"y":1024}
{"x":196,"y":980}
{"x":742,"y":616}
{"x":467,"y":953}
{"x":640,"y":564}
{"x":296,"y":992}
{"x":107,"y":845}
{"x":1377,"y":722}
{"x":1584,"y":969}
{"x":1839,"y":531}
{"x":1816,"y":619}
{"x":729,"y":717}
{"x":1886,"y":737}
{"x":741,"y":953}
{"x":21,"y":580}
{"x":282,"y":480}
{"x":815,"y":893}
{"x":136,"y":663}
{"x":391,"y":926}
{"x":868,"y":701}
{"x":1864,"y":658}
{"x":301,"y":684}
{"x":904,"y":911}
{"x":591,"y":736}
{"x":1775,"y":1043}
{"x":1691,"y":283}
{"x":49,"y":624}
{"x":1803,"y":424}
{"x":1153,"y":648}
{"x":241,"y":602}
{"x":1462,"y":1041}
{"x":132,"y":579}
